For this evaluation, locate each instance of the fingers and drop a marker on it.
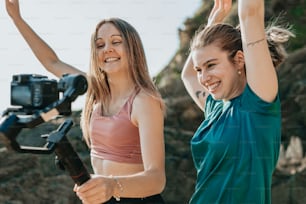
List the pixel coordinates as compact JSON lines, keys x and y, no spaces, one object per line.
{"x":10,"y":2}
{"x":215,"y":7}
{"x":227,"y":6}
{"x":221,"y":5}
{"x":220,"y":10}
{"x":12,"y":7}
{"x":91,"y":183}
{"x":96,"y":190}
{"x":75,"y":187}
{"x":95,"y":195}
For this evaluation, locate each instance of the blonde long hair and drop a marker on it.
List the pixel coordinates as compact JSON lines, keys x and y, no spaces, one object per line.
{"x":98,"y":86}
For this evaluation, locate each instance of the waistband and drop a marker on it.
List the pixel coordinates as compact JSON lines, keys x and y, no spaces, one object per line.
{"x":155,"y":199}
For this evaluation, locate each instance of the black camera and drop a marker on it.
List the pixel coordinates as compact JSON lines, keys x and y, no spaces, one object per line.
{"x":39,"y":99}
{"x":33,"y":92}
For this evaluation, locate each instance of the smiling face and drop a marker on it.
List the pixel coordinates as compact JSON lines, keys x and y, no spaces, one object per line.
{"x":110,"y":49}
{"x":217,"y":74}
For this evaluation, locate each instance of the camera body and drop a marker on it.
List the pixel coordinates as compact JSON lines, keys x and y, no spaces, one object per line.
{"x":32,"y":91}
{"x":39,"y":99}
{"x":35,"y":92}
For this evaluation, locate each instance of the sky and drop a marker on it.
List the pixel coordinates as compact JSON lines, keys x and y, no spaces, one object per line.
{"x":66,"y":25}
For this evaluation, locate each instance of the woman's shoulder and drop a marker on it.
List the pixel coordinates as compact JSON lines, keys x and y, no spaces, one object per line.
{"x":145,"y":105}
{"x":143,"y":97}
{"x":145,"y":101}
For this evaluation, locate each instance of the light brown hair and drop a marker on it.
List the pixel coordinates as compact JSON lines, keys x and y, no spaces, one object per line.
{"x":98,"y":86}
{"x":228,"y":38}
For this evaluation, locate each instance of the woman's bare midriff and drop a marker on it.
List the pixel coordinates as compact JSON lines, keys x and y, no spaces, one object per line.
{"x":108,"y":168}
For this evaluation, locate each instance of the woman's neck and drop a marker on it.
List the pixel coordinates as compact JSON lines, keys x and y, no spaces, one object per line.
{"x":121,"y":86}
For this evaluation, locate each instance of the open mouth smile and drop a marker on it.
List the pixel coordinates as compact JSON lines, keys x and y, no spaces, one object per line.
{"x":213,"y":86}
{"x":111,"y":59}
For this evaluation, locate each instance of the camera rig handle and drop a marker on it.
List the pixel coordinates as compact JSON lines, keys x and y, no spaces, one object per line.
{"x":56,"y":142}
{"x":65,"y":153}
{"x":11,"y":125}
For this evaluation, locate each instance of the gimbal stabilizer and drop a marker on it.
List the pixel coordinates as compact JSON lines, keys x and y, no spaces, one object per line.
{"x":13,"y":121}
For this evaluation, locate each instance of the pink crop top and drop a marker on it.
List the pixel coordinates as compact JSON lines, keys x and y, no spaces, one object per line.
{"x":115,"y":137}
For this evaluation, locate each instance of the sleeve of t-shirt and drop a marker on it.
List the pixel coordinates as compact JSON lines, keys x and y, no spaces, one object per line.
{"x":251,"y":102}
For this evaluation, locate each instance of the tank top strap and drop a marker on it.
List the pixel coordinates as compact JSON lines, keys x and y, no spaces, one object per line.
{"x":131,"y":100}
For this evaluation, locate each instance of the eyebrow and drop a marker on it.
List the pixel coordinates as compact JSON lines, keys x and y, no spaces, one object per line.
{"x":208,"y":61}
{"x":114,"y":35}
{"x":205,"y":63}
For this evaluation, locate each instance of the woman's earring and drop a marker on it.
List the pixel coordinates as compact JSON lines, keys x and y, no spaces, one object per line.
{"x":239,"y":72}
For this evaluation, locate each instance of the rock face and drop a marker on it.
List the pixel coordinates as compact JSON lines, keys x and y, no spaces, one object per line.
{"x":27,"y":178}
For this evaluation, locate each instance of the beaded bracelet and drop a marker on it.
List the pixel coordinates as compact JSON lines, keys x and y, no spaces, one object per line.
{"x":119,"y":186}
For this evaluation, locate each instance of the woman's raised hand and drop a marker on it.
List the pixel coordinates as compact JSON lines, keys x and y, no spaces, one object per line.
{"x":12,"y":8}
{"x":220,"y":10}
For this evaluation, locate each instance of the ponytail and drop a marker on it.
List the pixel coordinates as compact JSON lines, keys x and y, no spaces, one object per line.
{"x":276,"y":38}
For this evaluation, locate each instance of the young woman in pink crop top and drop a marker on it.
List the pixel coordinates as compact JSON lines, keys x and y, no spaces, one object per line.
{"x":122,"y":120}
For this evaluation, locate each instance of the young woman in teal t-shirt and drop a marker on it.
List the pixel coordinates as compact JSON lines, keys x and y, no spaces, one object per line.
{"x":230,"y":74}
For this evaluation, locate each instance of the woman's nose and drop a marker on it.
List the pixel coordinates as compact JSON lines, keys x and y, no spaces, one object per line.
{"x":108,"y":49}
{"x":204,"y":78}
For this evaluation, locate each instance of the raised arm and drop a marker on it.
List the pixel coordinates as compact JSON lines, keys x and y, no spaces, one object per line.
{"x":42,"y":51}
{"x":189,"y":76}
{"x":260,"y":72}
{"x":220,"y":10}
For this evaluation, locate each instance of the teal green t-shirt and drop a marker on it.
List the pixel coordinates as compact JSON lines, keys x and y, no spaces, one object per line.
{"x":235,"y":150}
